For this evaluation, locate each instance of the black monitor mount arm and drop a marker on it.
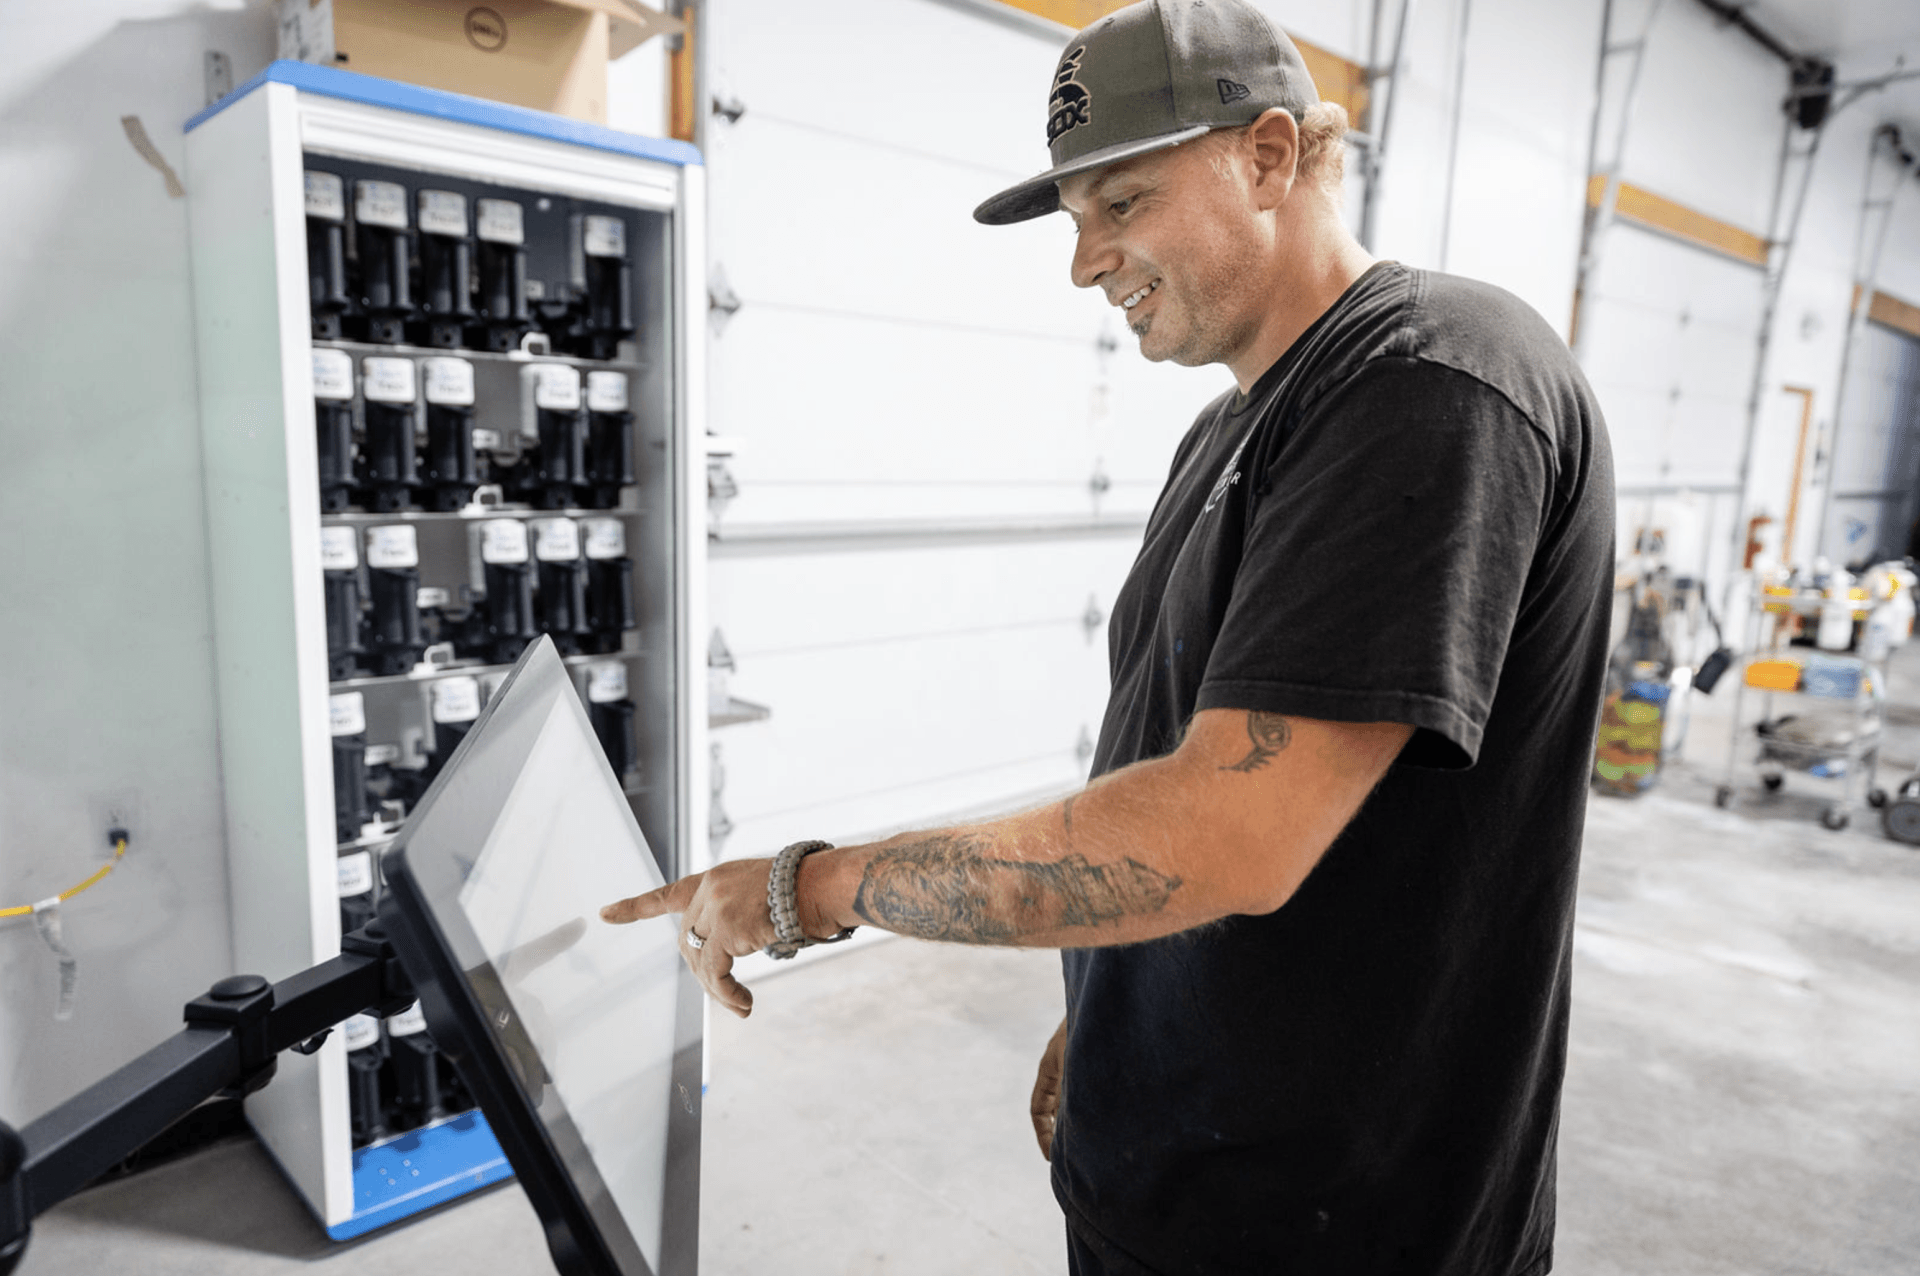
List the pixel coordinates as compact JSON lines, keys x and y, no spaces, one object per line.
{"x":230,"y":1047}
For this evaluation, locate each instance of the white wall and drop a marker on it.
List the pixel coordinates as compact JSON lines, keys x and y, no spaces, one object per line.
{"x":105,"y":665}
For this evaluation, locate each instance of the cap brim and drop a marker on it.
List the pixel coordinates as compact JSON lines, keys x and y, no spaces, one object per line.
{"x":1038,"y":196}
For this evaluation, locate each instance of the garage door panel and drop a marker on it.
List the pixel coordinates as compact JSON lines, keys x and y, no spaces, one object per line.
{"x":991,"y":790}
{"x":1877,"y":448}
{"x":937,"y":425}
{"x":970,"y":406}
{"x":857,"y":722}
{"x":829,"y":223}
{"x":783,"y":604}
{"x":1644,"y":267}
{"x":1672,"y":332}
{"x":960,"y":87}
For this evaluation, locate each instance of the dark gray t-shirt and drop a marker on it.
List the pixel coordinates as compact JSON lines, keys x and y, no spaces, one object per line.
{"x":1410,"y":519}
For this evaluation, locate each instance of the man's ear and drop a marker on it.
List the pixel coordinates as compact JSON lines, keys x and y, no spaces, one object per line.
{"x":1275,"y":142}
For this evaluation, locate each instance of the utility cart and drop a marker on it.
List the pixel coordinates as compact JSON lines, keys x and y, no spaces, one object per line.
{"x":1822,"y":713}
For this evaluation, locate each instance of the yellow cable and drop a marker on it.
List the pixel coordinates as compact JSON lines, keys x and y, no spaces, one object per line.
{"x":119,"y":849}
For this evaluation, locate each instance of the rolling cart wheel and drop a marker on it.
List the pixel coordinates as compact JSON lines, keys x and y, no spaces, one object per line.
{"x":1877,"y":798}
{"x":1835,"y":818}
{"x":1723,"y":798}
{"x":1901,"y":820}
{"x":1773,"y":781}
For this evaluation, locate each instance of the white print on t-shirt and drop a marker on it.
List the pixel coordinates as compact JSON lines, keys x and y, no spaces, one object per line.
{"x":1228,"y":477}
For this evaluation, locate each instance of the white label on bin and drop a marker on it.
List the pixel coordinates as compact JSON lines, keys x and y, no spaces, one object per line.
{"x":536,"y":290}
{"x":380,"y":204}
{"x":455,"y":699}
{"x":407,"y":1022}
{"x":500,"y":221}
{"x":339,"y":549}
{"x":429,"y":598}
{"x":356,"y":873}
{"x":326,"y":196}
{"x":346,"y":713}
{"x":503,"y":541}
{"x":443,"y":213}
{"x":606,"y":683}
{"x":450,"y":382}
{"x":485,"y":440}
{"x":606,"y":537}
{"x":382,"y":754}
{"x":556,"y":540}
{"x":556,"y":388}
{"x":606,"y":392}
{"x":360,"y":1032}
{"x":388,"y":380}
{"x":332,"y":375}
{"x":605,"y":237}
{"x":395,"y":545}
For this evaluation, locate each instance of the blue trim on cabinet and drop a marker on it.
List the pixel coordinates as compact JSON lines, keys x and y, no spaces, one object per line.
{"x":327,"y":81}
{"x":420,"y":1169}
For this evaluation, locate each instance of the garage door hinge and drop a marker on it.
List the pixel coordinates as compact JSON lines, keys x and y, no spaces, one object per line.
{"x":722,"y":301}
{"x":718,"y":825}
{"x":1093,"y":617}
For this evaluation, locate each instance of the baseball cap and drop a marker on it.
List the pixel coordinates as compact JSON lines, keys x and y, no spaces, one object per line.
{"x":1153,"y":75}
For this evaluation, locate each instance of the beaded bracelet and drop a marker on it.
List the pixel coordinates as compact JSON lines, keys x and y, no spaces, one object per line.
{"x":783,"y":903}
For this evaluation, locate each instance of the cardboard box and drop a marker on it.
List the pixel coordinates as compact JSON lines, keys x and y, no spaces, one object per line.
{"x":551,"y":55}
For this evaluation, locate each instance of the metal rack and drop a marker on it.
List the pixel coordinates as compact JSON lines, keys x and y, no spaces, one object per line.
{"x":1844,"y":747}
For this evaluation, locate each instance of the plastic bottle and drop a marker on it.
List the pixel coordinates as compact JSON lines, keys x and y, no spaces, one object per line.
{"x":1836,"y":614}
{"x":1626,"y":759}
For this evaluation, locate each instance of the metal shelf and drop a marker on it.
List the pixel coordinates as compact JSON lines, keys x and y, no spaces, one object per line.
{"x":471,"y":513}
{"x":521,"y":357}
{"x":472,"y":666}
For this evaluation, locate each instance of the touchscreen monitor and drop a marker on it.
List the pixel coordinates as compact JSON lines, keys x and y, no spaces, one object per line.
{"x":579,"y":1039}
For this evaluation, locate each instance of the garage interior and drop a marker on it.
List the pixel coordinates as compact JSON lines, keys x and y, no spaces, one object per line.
{"x":928,"y":462}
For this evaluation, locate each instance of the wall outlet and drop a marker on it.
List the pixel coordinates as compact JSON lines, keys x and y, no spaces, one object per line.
{"x":115,"y":809}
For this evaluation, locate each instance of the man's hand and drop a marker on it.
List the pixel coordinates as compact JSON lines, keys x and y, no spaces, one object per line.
{"x":1047,"y":1086}
{"x":726,"y":907}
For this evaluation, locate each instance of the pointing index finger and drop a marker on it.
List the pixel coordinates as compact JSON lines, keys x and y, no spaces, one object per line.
{"x":672,"y":898}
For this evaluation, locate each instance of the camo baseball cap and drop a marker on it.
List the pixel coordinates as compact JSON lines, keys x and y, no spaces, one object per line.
{"x":1153,"y":75}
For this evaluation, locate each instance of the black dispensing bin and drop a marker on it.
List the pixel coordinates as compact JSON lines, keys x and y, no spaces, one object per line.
{"x":384,"y":246}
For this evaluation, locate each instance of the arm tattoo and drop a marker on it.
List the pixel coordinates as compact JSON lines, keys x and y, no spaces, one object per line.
{"x":1270,"y":734}
{"x":945,"y":887}
{"x":1066,"y":813}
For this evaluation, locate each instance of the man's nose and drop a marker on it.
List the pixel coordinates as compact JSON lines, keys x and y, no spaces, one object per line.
{"x":1094,"y":258}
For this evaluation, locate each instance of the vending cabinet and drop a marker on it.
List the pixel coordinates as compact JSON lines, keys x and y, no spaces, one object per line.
{"x":450,"y":373}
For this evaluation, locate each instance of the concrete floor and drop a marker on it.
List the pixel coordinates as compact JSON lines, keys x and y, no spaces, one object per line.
{"x":1743,"y":1095}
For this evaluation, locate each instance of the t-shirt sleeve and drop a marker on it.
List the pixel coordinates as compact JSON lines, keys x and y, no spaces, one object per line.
{"x":1388,"y":546}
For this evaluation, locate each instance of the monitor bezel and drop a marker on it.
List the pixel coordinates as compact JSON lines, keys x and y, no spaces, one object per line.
{"x":586,"y":1233}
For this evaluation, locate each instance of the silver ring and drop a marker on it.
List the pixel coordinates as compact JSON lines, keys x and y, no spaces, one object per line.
{"x":695,"y":942}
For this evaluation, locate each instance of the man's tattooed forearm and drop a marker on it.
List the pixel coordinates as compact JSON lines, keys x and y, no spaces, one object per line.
{"x":1270,"y":734}
{"x":945,"y":887}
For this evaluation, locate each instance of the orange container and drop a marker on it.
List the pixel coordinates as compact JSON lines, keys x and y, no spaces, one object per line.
{"x":1774,"y":675}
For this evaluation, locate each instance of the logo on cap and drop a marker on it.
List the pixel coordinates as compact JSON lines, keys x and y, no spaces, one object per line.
{"x":1070,"y":106}
{"x":1231,"y":92}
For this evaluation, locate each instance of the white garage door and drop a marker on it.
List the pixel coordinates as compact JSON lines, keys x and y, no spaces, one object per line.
{"x":1876,"y":452}
{"x":945,"y":456}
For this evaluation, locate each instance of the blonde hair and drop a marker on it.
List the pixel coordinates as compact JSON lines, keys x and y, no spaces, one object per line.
{"x":1323,"y":148}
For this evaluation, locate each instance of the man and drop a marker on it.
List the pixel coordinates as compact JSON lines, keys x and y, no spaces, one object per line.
{"x":1317,"y":903}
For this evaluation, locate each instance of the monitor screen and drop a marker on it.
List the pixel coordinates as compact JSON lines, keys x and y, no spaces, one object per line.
{"x":580,"y":1039}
